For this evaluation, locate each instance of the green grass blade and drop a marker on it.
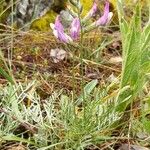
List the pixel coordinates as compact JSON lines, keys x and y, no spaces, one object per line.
{"x":6,"y":75}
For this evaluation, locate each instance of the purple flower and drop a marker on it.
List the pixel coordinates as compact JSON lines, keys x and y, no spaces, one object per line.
{"x":58,"y":31}
{"x":105,"y":18}
{"x":75,"y":28}
{"x":58,"y":25}
{"x":92,"y":10}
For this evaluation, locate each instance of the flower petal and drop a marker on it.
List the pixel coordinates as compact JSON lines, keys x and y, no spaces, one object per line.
{"x":104,"y":19}
{"x":93,"y":10}
{"x":58,"y":24}
{"x":75,"y":28}
{"x":58,"y":31}
{"x":52,"y":25}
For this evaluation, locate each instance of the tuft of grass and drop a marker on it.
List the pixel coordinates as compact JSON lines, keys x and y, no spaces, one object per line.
{"x":136,"y":56}
{"x":6,"y":73}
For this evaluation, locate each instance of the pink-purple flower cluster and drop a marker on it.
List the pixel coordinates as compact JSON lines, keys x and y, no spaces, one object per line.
{"x":75,"y":28}
{"x":58,"y":30}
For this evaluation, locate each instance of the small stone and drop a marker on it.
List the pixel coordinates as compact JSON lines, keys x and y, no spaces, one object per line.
{"x":142,"y":135}
{"x":112,"y":78}
{"x":58,"y":54}
{"x":116,"y":60}
{"x":132,"y":147}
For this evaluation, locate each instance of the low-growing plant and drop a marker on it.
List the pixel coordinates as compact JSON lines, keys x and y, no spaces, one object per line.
{"x":67,"y":121}
{"x":58,"y":122}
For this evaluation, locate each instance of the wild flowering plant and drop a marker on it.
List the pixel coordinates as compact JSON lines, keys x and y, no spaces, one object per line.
{"x":79,"y":23}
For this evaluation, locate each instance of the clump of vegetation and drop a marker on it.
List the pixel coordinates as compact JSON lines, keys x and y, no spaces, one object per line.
{"x":85,"y":86}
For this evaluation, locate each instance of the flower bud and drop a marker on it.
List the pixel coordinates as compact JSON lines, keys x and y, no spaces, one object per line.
{"x":58,"y":31}
{"x":75,"y":28}
{"x":105,"y":17}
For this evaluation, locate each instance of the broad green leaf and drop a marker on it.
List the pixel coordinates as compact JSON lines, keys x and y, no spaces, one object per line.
{"x":87,"y":90}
